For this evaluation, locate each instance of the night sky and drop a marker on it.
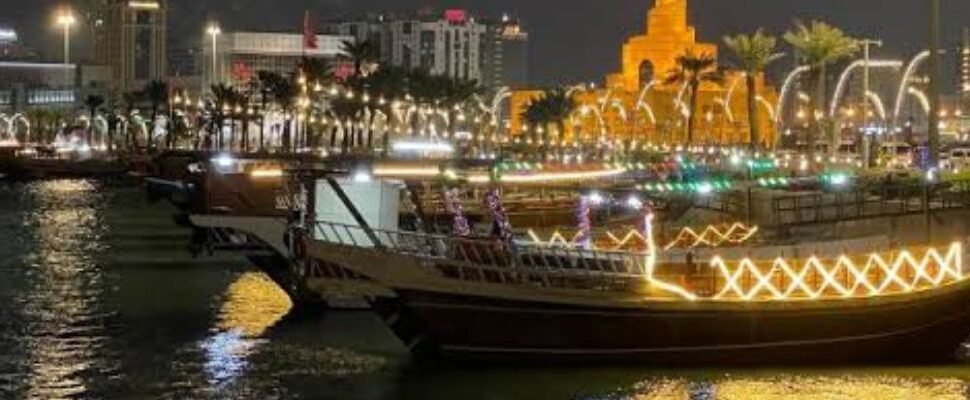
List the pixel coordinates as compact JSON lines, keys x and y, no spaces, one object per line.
{"x":572,"y":40}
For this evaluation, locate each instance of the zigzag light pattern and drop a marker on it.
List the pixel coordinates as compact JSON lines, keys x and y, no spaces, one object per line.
{"x":712,"y":236}
{"x":633,"y":238}
{"x":814,"y":279}
{"x":809,"y":279}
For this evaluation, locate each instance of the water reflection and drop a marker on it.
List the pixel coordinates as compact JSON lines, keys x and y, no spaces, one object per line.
{"x":856,"y":388}
{"x":783,"y":386}
{"x":63,"y":319}
{"x":253,"y":303}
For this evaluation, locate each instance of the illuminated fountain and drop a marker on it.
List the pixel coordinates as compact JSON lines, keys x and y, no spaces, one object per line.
{"x":904,"y":84}
{"x":9,"y":132}
{"x":877,"y":103}
{"x":847,"y":73}
{"x":643,"y":104}
{"x":726,"y":102}
{"x":786,"y":87}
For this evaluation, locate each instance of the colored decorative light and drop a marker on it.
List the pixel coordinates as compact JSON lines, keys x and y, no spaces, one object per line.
{"x":454,"y":206}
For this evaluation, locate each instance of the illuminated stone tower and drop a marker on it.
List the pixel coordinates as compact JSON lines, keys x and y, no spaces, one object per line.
{"x":653,"y":55}
{"x":624,"y":109}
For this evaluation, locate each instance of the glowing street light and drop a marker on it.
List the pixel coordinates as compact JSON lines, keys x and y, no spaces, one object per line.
{"x":66,"y":20}
{"x":214,"y":31}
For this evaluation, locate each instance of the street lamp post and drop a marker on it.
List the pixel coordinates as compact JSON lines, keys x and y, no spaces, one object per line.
{"x":66,"y":20}
{"x":933,"y":130}
{"x":214,"y":31}
{"x":868,"y":140}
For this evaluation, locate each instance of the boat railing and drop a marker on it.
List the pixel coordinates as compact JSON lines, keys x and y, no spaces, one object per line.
{"x":486,"y":259}
{"x":862,"y":274}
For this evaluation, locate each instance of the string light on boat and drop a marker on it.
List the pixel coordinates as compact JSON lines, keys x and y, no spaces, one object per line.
{"x":650,"y":261}
{"x":454,"y":206}
{"x":782,"y":279}
{"x":266,"y":173}
{"x":702,"y":187}
{"x":382,"y":171}
{"x":423,"y":147}
{"x":712,"y":236}
{"x":224,"y":161}
{"x":549,"y":176}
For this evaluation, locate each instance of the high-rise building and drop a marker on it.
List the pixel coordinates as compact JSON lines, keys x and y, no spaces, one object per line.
{"x":506,"y":54}
{"x":130,"y":37}
{"x":451,"y":42}
{"x":447,"y":44}
{"x":369,"y":29}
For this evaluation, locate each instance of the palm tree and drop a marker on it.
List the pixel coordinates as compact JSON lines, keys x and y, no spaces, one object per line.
{"x":819,"y":45}
{"x":754,"y":53}
{"x":93,"y":103}
{"x":263,"y":82}
{"x":692,"y":70}
{"x":456,"y":93}
{"x":316,"y":73}
{"x":388,"y":82}
{"x":553,"y":106}
{"x":130,"y":99}
{"x":347,"y":112}
{"x":560,"y":106}
{"x":283,"y":91}
{"x":359,"y":53}
{"x":156,"y":93}
{"x":536,"y":113}
{"x":113,"y":121}
{"x":224,"y":98}
{"x":316,"y":70}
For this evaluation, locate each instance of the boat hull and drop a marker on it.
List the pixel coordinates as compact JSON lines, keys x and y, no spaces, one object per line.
{"x":924,"y":328}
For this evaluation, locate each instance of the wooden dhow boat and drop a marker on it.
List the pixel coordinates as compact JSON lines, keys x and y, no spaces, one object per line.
{"x":462,"y":297}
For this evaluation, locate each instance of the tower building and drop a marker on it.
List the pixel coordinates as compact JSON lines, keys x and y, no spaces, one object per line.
{"x":130,"y":38}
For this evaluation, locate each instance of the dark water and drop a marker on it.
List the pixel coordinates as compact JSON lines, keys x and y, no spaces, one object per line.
{"x":99,"y":299}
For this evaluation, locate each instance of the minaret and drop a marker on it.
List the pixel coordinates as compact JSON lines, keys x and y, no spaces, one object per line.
{"x":667,"y":16}
{"x":653,"y":55}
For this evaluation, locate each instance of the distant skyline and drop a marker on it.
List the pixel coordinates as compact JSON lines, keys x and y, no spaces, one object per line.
{"x":572,"y":40}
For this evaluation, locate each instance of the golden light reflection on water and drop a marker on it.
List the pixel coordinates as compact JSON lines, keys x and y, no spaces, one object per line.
{"x":253,"y":304}
{"x":837,"y":388}
{"x":64,"y":331}
{"x":854,"y":385}
{"x":662,"y":390}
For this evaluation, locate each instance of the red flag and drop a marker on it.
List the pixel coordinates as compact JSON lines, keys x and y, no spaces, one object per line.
{"x":309,"y":32}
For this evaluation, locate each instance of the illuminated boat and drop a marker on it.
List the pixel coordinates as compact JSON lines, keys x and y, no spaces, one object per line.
{"x":32,"y":163}
{"x":485,"y":298}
